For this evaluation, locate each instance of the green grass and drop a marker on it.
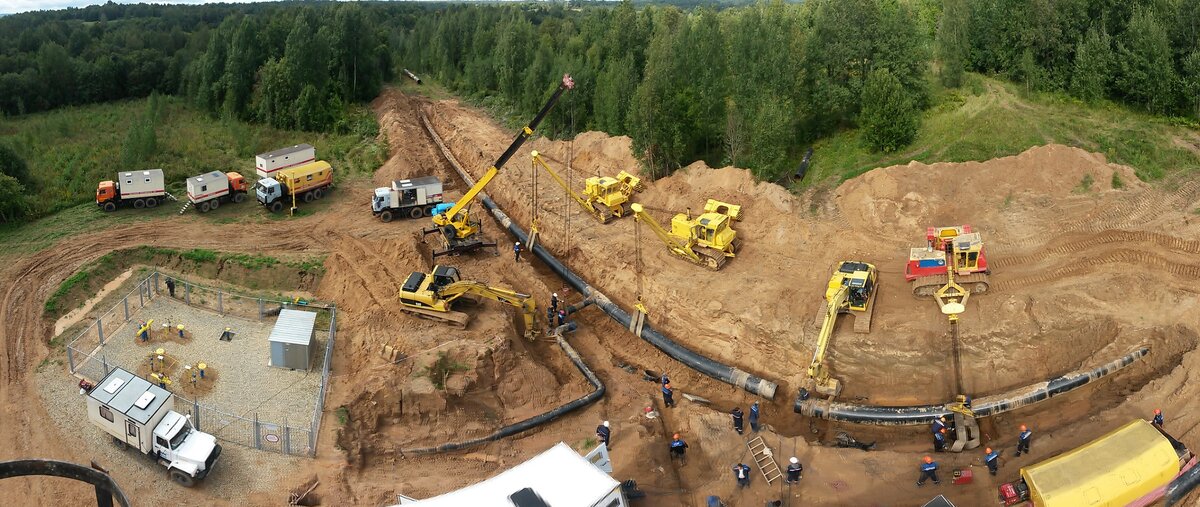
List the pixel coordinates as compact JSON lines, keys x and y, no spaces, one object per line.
{"x":343,"y":415}
{"x":442,"y":368}
{"x":989,"y":118}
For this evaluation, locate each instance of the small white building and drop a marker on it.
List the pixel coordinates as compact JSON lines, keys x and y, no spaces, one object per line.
{"x":292,"y":340}
{"x":267,"y":164}
{"x":558,"y":477}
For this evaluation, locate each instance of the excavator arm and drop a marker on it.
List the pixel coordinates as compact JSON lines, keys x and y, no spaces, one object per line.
{"x":537,"y":157}
{"x":818,"y":372}
{"x":523,"y":302}
{"x":676,"y":245}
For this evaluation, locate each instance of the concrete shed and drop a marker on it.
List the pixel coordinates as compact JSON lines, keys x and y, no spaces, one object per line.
{"x":292,"y":340}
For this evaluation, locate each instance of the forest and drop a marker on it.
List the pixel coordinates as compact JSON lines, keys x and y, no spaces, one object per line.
{"x":751,"y":85}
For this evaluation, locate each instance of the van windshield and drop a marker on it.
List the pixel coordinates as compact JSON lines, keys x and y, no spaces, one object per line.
{"x":178,"y":439}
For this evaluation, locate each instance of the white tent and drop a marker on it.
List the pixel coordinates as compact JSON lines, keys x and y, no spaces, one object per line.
{"x":559,"y":476}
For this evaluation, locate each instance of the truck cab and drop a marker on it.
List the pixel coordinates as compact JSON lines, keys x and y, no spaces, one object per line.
{"x":105,"y":192}
{"x":268,"y":192}
{"x":183,"y":448}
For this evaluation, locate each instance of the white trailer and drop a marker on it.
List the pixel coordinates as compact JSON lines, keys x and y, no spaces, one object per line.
{"x":140,"y":189}
{"x":207,"y":191}
{"x":412,"y":198}
{"x":266,"y":164}
{"x":139,"y":414}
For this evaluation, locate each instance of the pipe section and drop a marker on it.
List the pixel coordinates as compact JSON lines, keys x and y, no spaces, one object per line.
{"x":688,"y":357}
{"x":1178,"y":489}
{"x":536,"y":420}
{"x":983,"y":407}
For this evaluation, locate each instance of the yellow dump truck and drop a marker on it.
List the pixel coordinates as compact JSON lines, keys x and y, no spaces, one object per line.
{"x":305,"y":183}
{"x":1131,"y":465}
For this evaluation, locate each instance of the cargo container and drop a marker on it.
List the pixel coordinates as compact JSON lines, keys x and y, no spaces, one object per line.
{"x":304,"y":183}
{"x":207,"y":191}
{"x":140,"y":189}
{"x":412,"y":198}
{"x":269,"y":163}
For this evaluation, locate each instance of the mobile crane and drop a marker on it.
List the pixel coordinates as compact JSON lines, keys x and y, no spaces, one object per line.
{"x":851,"y":289}
{"x":706,"y":240}
{"x":434,"y":294}
{"x":603,"y":196}
{"x":460,"y":233}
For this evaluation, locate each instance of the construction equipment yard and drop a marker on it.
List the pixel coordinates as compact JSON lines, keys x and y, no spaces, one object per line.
{"x":1079,"y":278}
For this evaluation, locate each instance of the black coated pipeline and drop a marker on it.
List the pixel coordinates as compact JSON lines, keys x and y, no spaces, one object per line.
{"x":983,"y":407}
{"x":1178,"y":489}
{"x":536,"y":420}
{"x":688,"y":357}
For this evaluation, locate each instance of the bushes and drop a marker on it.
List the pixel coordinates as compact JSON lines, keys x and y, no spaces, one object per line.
{"x":889,"y":120}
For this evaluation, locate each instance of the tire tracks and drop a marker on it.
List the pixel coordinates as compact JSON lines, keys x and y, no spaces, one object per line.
{"x":1104,"y":238}
{"x":1141,"y":258}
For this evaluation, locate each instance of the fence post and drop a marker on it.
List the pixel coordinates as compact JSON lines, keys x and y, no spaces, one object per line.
{"x":104,"y":364}
{"x":71,"y":358}
{"x":260,"y":308}
{"x":155,"y":282}
{"x":196,"y":415}
{"x":257,"y":433}
{"x":187,"y":293}
{"x":220,"y":303}
{"x":100,"y":329}
{"x":125,"y":303}
{"x":287,"y":437}
{"x":141,"y":296}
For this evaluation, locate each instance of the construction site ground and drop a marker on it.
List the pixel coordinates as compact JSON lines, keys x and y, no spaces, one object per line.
{"x":1082,"y":274}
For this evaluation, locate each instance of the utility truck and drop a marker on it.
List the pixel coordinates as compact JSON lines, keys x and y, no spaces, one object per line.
{"x":140,"y":189}
{"x":207,"y":191}
{"x":306,"y":183}
{"x":139,"y":414}
{"x":412,"y":198}
{"x":269,"y":163}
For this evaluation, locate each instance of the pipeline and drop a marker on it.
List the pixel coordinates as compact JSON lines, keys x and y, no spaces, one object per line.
{"x":982,"y":407}
{"x":539,"y":419}
{"x":1178,"y":489}
{"x":688,"y":357}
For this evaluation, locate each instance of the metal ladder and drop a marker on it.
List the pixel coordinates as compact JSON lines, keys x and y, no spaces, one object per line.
{"x":764,"y":458}
{"x":185,"y":207}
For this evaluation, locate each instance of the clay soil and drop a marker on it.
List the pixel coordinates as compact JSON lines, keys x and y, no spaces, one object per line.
{"x":1082,"y":274}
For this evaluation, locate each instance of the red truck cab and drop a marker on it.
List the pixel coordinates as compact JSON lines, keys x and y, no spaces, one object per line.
{"x":105,"y":192}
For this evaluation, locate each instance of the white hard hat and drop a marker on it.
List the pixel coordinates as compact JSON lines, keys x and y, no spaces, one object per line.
{"x":794,"y":460}
{"x":518,"y":242}
{"x":605,"y":424}
{"x":555,"y":294}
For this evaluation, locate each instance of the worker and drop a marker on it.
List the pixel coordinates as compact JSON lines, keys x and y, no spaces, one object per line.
{"x":1023,"y":440}
{"x":554,"y":302}
{"x":144,"y":333}
{"x":754,"y":417}
{"x":171,"y":286}
{"x":992,"y":458}
{"x":562,"y":317}
{"x":939,"y":441}
{"x":603,"y":432}
{"x":664,"y":380}
{"x":1158,"y":419}
{"x":928,"y":471}
{"x":668,"y":395}
{"x":517,"y":251}
{"x":737,"y":419}
{"x":741,"y":472}
{"x":678,"y":447}
{"x":794,"y":471}
{"x":938,"y":424}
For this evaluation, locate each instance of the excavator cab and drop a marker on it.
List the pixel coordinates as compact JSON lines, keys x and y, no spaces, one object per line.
{"x":443,"y":276}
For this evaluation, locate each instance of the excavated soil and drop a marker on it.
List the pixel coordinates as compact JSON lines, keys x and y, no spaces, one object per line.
{"x":1081,"y":275}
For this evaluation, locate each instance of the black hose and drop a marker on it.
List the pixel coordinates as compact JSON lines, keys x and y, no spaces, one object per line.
{"x":688,"y":357}
{"x":536,"y":420}
{"x":983,"y":407}
{"x":1178,"y":489}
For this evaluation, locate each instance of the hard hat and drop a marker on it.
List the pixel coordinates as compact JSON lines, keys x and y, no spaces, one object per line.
{"x":942,"y":418}
{"x":518,"y":243}
{"x":555,"y":294}
{"x":676,"y":436}
{"x":928,"y":459}
{"x":988,"y":450}
{"x":649,"y":409}
{"x":1023,"y":427}
{"x":1157,"y":411}
{"x":794,"y":460}
{"x":605,"y":424}
{"x":943,"y":430}
{"x":667,"y":385}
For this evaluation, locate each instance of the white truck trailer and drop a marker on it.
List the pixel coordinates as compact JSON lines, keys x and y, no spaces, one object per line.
{"x":140,"y":189}
{"x":207,"y":191}
{"x":266,"y":164}
{"x":413,"y":198}
{"x":140,"y":414}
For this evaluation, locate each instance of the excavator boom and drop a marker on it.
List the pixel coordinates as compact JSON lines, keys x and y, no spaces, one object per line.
{"x":818,"y":372}
{"x":601,"y":214}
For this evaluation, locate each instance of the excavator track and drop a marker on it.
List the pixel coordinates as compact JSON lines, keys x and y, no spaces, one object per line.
{"x":862,"y":320}
{"x":457,"y":319}
{"x":926,"y":286}
{"x":710,"y":258}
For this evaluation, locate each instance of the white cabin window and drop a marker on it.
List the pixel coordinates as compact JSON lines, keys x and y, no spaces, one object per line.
{"x":106,"y":413}
{"x":147,"y":180}
{"x":128,"y":182}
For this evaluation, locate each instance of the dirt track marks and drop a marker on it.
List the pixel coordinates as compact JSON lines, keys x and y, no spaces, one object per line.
{"x":1062,"y":249}
{"x":1145,"y":261}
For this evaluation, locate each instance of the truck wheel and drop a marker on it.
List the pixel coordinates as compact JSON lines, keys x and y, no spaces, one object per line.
{"x":151,"y":202}
{"x":238,"y":197}
{"x":110,"y":206}
{"x":276,"y":207}
{"x":204,"y":207}
{"x":385,"y":216}
{"x":318,"y":193}
{"x":415,"y":213}
{"x":428,"y":211}
{"x":216,"y":203}
{"x":308,"y":196}
{"x":182,"y":478}
{"x":139,"y":204}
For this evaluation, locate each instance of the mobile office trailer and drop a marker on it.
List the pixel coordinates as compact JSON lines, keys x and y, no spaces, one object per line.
{"x":267,"y":164}
{"x":207,"y":191}
{"x":140,"y":189}
{"x":306,"y":183}
{"x":141,"y":415}
{"x":412,"y":198}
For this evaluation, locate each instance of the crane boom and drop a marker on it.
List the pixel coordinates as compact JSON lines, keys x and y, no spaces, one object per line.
{"x":537,"y":157}
{"x":678,"y":246}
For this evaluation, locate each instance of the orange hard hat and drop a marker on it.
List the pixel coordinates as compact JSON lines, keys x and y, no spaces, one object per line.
{"x":988,"y":450}
{"x":676,"y":436}
{"x":943,"y":430}
{"x":1023,"y":427}
{"x":1157,"y":411}
{"x":928,"y":459}
{"x":668,"y":385}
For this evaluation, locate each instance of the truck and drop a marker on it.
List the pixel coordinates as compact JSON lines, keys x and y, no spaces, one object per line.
{"x":269,"y":163}
{"x":141,"y":415}
{"x":207,"y":191}
{"x":306,"y":182}
{"x":414,"y":198}
{"x":1131,"y":465}
{"x":140,"y":189}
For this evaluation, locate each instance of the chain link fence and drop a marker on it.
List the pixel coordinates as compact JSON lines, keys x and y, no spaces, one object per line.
{"x":86,"y":358}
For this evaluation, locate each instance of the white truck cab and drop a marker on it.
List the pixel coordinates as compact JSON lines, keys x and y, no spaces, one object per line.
{"x":268,"y":190}
{"x":140,"y":414}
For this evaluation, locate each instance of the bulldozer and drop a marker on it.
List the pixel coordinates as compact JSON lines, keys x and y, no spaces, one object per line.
{"x":706,"y":240}
{"x":604,"y":197}
{"x":433,"y":295}
{"x":851,"y":289}
{"x":950,"y":268}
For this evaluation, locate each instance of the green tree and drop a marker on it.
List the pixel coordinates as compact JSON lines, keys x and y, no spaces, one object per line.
{"x":14,"y":204}
{"x":1146,"y":73}
{"x":56,"y":74}
{"x":1093,"y":66}
{"x":11,"y":164}
{"x":888,"y":119}
{"x":953,"y":42}
{"x":1191,"y":83}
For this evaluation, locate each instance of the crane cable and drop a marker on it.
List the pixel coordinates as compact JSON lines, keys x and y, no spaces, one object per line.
{"x":533,"y":205}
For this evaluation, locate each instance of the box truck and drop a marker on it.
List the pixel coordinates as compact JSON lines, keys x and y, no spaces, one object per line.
{"x":269,"y":163}
{"x":303,"y":183}
{"x":140,"y":189}
{"x":139,"y":414}
{"x":207,"y":191}
{"x":413,"y":198}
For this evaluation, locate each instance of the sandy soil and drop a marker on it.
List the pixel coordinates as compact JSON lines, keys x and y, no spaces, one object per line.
{"x":1080,"y":277}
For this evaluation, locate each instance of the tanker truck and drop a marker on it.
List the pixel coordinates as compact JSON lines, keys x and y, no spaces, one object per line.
{"x":305,"y":183}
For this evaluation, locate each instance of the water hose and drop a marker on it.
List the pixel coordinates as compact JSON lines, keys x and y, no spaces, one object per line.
{"x":983,"y":407}
{"x":688,"y":357}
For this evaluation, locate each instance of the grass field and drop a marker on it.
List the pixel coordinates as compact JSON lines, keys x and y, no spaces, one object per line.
{"x":990,"y":118}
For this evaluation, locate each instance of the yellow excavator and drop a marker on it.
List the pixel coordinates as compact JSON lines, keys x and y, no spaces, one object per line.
{"x":460,"y":233}
{"x":706,"y":240}
{"x":603,"y":196}
{"x":433,"y":295}
{"x":851,"y":289}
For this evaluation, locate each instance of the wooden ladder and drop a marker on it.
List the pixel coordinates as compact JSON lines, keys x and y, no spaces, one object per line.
{"x":764,"y":458}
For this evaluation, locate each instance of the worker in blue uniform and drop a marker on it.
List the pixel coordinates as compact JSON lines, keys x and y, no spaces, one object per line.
{"x":928,"y":471}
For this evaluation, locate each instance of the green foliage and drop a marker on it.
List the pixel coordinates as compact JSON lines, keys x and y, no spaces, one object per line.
{"x":199,"y":255}
{"x":953,"y":42}
{"x":14,"y":203}
{"x":1146,"y":74}
{"x":1085,"y":184}
{"x":52,"y":303}
{"x":1093,"y":66}
{"x":343,"y":415}
{"x":1117,"y":182}
{"x":141,"y":143}
{"x":889,"y":120}
{"x":442,"y":368}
